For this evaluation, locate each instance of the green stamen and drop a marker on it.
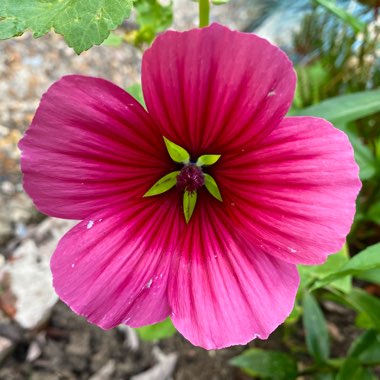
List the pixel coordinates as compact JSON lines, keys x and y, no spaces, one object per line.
{"x":189,"y":179}
{"x":176,"y":152}
{"x":163,"y":184}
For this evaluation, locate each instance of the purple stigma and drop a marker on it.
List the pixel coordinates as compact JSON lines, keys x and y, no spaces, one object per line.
{"x":190,"y":178}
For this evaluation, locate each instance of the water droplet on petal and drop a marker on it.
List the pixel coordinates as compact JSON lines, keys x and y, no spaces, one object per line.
{"x":149,"y":284}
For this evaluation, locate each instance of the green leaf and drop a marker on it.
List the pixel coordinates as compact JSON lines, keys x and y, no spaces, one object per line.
{"x":176,"y":152}
{"x":153,"y":18}
{"x":366,"y":348}
{"x":311,"y":81}
{"x":352,"y":369}
{"x":163,"y":184}
{"x":324,"y":376}
{"x":136,"y":91}
{"x":372,"y":275}
{"x":360,"y":344}
{"x":317,"y":336}
{"x":212,"y":187}
{"x":345,"y":108}
{"x":161,"y":330}
{"x":371,"y":355}
{"x":295,"y":315}
{"x":373,"y":213}
{"x":189,"y":201}
{"x":363,"y":321}
{"x":208,"y":159}
{"x":331,"y":265}
{"x":266,"y":364}
{"x":356,"y":24}
{"x":83,"y":23}
{"x":311,"y":273}
{"x":367,"y":304}
{"x":366,"y":260}
{"x":219,"y":2}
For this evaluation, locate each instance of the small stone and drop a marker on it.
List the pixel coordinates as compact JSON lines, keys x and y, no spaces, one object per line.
{"x":106,"y":372}
{"x":21,"y":230}
{"x":79,"y":350}
{"x":11,"y":331}
{"x":8,"y":188}
{"x":30,"y":280}
{"x":131,"y":338}
{"x":3,"y":130}
{"x":20,"y":208}
{"x":34,"y":352}
{"x":164,"y":368}
{"x":6,"y":346}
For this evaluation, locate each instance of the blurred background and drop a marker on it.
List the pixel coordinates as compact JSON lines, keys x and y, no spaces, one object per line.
{"x":40,"y":338}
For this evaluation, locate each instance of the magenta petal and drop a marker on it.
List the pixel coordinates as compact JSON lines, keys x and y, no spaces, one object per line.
{"x":294,"y":194}
{"x":288,"y":187}
{"x":90,"y":144}
{"x":113,"y":267}
{"x":222,"y":292}
{"x":212,"y":90}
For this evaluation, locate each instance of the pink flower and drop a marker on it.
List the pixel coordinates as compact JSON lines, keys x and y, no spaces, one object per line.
{"x":227,"y":273}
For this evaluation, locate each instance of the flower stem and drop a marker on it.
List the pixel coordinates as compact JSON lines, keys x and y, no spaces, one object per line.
{"x":204,"y":13}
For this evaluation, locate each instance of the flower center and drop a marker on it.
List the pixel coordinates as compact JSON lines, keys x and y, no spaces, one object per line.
{"x":190,"y":178}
